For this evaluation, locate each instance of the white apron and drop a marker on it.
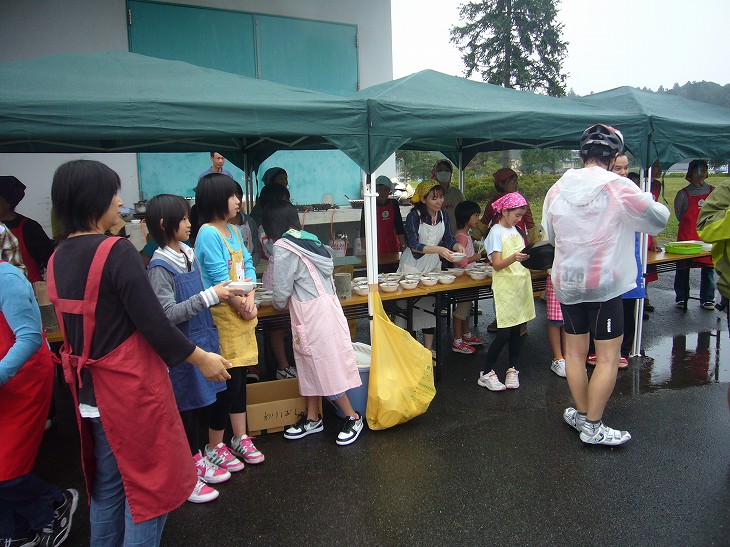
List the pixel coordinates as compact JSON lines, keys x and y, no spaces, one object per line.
{"x":323,"y":351}
{"x":512,"y":287}
{"x":428,"y":235}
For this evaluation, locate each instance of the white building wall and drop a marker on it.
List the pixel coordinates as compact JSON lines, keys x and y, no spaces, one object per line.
{"x":37,"y":28}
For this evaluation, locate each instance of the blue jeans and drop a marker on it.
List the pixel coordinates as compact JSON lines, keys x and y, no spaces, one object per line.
{"x":111,"y":520}
{"x":707,"y":284}
{"x":26,"y":503}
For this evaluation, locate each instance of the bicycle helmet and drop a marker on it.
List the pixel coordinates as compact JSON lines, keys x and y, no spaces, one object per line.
{"x":609,"y":138}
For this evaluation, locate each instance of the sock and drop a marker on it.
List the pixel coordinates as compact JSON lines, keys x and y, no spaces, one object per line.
{"x":591,"y":427}
{"x":457,"y":341}
{"x":466,"y":335}
{"x":580,"y":419}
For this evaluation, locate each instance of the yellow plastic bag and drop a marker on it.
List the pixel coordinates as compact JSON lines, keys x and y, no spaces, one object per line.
{"x":401,"y":374}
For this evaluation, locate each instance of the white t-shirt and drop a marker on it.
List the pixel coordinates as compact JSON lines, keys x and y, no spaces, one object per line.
{"x":493,"y":241}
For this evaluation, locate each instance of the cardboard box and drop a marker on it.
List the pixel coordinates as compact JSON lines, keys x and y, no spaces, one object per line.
{"x":274,"y":406}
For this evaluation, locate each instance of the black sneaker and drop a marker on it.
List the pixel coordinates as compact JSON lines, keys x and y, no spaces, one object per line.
{"x":30,"y":539}
{"x":303,"y":428}
{"x":56,"y":531}
{"x":350,"y":431}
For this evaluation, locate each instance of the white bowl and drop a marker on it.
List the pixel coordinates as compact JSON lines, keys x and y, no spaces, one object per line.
{"x":242,"y":287}
{"x":409,"y":283}
{"x":447,"y":279}
{"x":458,"y":257}
{"x":456,"y":272}
{"x":360,"y":290}
{"x":477,"y":275}
{"x":393,"y":277}
{"x":389,"y":286}
{"x":359,"y":280}
{"x":429,"y":280}
{"x":412,"y":277}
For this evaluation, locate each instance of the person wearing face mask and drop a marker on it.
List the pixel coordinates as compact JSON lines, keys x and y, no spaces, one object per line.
{"x":441,"y":173}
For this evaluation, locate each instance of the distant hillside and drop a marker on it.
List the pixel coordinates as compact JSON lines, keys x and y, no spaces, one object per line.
{"x":704,"y":92}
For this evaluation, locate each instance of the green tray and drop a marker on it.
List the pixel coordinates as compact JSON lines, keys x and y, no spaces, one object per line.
{"x":683,"y":248}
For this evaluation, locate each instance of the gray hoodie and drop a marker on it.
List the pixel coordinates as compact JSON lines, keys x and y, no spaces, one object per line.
{"x":291,"y":276}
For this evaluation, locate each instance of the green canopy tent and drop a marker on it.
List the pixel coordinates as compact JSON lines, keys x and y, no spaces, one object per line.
{"x":124,"y":102}
{"x":432,"y":111}
{"x":678,"y":128}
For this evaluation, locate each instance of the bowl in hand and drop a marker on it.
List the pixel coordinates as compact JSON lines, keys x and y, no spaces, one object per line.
{"x":242,"y":287}
{"x":458,"y":257}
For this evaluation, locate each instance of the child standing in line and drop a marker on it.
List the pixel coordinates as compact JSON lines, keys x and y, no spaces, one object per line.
{"x":555,"y":329}
{"x":323,"y":350}
{"x":174,"y":274}
{"x":512,"y":287}
{"x":467,"y":216}
{"x":223,"y":257}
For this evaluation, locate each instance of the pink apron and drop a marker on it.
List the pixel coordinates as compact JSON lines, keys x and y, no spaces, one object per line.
{"x":321,"y":339}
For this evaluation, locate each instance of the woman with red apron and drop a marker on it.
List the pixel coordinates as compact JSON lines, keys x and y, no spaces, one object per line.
{"x":391,"y":234}
{"x":687,"y":205}
{"x":27,"y":502}
{"x":125,"y":406}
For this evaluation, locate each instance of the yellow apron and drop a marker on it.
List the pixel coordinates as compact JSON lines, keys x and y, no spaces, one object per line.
{"x":512,"y":287}
{"x":237,"y":335}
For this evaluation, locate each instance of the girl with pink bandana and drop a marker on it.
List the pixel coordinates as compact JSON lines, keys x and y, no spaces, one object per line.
{"x":512,"y":287}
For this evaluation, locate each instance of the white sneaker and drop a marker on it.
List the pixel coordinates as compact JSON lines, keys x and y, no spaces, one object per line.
{"x":512,"y":380}
{"x":208,"y":471}
{"x":490,"y":381}
{"x":558,"y":367}
{"x":202,"y":493}
{"x":570,"y":415}
{"x":605,"y":435}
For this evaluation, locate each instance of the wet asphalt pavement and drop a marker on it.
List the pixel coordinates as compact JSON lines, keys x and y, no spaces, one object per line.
{"x":484,"y":468}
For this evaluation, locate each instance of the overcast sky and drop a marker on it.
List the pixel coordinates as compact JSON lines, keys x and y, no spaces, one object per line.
{"x":640,"y":43}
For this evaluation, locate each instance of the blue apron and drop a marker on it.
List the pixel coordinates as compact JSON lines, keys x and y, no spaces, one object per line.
{"x":191,"y":388}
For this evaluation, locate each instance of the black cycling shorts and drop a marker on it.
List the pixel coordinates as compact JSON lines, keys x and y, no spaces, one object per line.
{"x":604,"y":320}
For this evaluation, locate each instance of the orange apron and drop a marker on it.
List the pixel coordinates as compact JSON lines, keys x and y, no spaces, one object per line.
{"x":136,"y":404}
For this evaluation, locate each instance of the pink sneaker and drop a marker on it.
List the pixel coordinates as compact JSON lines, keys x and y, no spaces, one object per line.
{"x":243,"y":448}
{"x":623,"y":362}
{"x":202,"y":493}
{"x":221,"y":457}
{"x":209,"y":472}
{"x":459,"y":346}
{"x":591,"y":360}
{"x":473,"y":340}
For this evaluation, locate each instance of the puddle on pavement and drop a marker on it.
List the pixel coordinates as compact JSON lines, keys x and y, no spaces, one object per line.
{"x":676,"y":362}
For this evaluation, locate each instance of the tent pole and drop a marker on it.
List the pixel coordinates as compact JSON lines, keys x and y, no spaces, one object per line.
{"x":639,"y":308}
{"x":371,"y":244}
{"x":461,"y":168}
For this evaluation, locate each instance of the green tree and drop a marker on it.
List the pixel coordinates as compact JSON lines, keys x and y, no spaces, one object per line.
{"x":415,"y":166}
{"x":513,"y":43}
{"x":543,"y":161}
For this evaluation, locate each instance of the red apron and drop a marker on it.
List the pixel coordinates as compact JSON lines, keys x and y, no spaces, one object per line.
{"x":387,"y":238}
{"x":136,"y":404}
{"x":34,"y":270}
{"x":688,"y":225}
{"x":24,"y":403}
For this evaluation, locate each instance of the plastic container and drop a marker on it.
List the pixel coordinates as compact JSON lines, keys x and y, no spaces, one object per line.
{"x":359,"y":395}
